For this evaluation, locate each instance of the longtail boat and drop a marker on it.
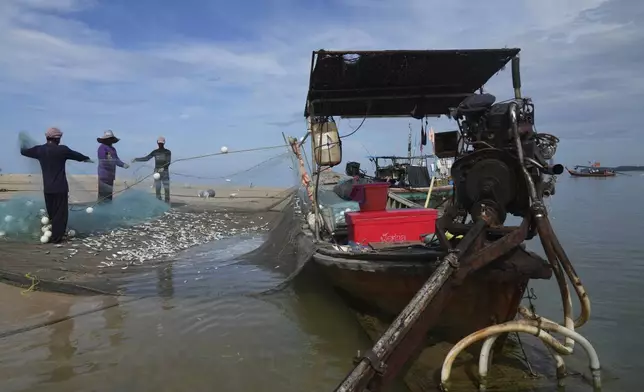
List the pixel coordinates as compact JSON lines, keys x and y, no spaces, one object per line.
{"x":460,"y":273}
{"x":591,"y":171}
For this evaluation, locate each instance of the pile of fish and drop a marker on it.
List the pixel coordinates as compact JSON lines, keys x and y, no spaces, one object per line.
{"x":163,"y":238}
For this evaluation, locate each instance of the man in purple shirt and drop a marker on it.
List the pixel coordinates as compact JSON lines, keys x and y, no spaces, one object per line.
{"x":108,"y":160}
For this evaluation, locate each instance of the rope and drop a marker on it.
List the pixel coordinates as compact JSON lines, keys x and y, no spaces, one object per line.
{"x":264,"y":162}
{"x":32,"y":287}
{"x":100,"y":200}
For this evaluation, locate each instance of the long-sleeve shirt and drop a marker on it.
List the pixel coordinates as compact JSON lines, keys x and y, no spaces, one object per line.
{"x":162,"y":159}
{"x":108,"y":160}
{"x":52,"y":158}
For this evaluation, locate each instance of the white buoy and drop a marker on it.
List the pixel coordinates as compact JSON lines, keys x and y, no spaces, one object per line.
{"x":8,"y":218}
{"x":224,"y":149}
{"x":71,"y":233}
{"x":156,"y":176}
{"x":44,"y":239}
{"x":48,"y":234}
{"x":44,"y":220}
{"x":89,"y":210}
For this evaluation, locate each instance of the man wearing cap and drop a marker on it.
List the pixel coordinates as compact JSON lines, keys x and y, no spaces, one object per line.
{"x":162,"y":159}
{"x":108,"y":160}
{"x":52,"y":157}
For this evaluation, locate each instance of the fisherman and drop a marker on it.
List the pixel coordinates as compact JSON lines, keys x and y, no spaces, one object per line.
{"x":53,"y":157}
{"x":108,"y":160}
{"x":162,"y":159}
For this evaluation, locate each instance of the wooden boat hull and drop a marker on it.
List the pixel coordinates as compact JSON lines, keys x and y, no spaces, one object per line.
{"x":575,"y":173}
{"x":383,"y":288}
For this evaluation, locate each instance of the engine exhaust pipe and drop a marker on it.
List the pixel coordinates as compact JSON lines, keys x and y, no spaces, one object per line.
{"x":516,"y":76}
{"x":556,"y":169}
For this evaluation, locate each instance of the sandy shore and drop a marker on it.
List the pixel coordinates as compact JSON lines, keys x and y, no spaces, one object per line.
{"x":89,"y":262}
{"x":83,"y":189}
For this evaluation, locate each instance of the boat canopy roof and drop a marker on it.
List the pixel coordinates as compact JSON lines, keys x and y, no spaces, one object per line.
{"x":395,"y":83}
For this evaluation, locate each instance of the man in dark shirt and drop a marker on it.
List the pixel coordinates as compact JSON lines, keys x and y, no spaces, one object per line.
{"x":162,"y":159}
{"x":53,"y":157}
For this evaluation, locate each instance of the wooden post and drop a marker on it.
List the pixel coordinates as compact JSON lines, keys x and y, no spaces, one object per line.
{"x":429,"y":193}
{"x":362,"y":374}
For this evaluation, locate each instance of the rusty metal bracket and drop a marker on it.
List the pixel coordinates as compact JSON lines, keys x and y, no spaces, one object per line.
{"x":441,"y":225}
{"x":492,"y":251}
{"x":372,"y":359}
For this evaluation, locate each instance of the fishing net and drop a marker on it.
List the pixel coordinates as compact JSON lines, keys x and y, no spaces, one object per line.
{"x":213,"y":195}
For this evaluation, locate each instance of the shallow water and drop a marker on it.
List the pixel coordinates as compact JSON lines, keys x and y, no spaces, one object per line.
{"x":204,"y":327}
{"x":200,"y":325}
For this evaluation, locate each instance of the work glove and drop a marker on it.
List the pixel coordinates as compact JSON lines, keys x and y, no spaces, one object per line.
{"x":126,"y":166}
{"x":160,"y":170}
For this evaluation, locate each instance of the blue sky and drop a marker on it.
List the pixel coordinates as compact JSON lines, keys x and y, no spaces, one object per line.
{"x":211,"y":73}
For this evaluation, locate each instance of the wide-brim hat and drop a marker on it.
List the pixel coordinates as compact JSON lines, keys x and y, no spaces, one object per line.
{"x":108,"y":135}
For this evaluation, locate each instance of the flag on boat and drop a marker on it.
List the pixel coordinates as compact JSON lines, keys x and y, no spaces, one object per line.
{"x":431,"y":138}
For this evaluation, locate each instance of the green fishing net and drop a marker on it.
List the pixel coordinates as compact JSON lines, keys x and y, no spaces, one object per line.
{"x":192,"y":178}
{"x":22,"y":216}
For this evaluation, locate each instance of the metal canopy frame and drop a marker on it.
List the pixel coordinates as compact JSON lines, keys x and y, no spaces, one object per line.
{"x":395,"y":83}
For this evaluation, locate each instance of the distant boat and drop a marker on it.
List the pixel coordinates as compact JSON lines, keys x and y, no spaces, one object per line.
{"x":591,"y":171}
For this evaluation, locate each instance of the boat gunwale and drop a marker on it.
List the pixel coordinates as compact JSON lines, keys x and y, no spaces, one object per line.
{"x":370,"y":265}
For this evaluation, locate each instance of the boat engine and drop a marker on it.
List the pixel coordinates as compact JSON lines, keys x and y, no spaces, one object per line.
{"x":495,"y":146}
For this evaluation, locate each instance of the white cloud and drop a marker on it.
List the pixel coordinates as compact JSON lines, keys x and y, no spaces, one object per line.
{"x":69,"y":71}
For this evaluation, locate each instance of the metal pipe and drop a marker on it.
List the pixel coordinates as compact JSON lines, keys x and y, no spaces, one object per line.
{"x":549,"y":242}
{"x":546,"y":231}
{"x":559,"y":276}
{"x":584,"y":300}
{"x":516,"y":76}
{"x":568,"y":321}
{"x":517,"y":141}
{"x":533,"y":327}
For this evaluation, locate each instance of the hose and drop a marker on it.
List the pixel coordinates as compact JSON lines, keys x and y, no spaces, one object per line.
{"x":539,"y":329}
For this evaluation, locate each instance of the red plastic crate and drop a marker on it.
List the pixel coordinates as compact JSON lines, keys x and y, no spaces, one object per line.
{"x":371,"y":197}
{"x":390,"y":226}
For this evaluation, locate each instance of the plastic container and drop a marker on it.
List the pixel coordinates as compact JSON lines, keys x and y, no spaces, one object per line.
{"x":371,"y":197}
{"x":392,"y":226}
{"x":327,"y":146}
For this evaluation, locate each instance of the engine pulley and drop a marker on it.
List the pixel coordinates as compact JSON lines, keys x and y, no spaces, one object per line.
{"x":491,"y":182}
